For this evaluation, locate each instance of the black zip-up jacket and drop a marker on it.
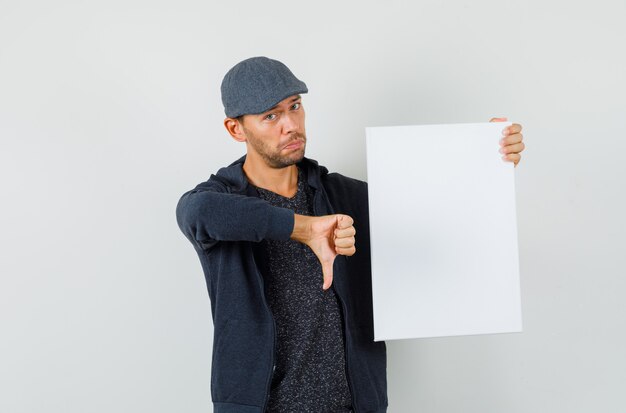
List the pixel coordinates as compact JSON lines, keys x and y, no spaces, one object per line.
{"x":225,"y":219}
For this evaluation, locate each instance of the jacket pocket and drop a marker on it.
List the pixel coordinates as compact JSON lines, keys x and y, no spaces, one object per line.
{"x":242,"y":362}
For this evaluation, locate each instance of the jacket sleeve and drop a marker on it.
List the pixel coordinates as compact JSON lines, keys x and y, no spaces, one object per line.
{"x":209,"y":213}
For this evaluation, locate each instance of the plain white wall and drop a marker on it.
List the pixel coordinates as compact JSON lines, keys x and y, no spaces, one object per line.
{"x":110,"y":110}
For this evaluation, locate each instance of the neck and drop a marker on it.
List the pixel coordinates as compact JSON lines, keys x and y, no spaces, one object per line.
{"x":283,"y":181}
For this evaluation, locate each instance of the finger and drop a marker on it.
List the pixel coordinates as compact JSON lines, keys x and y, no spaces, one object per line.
{"x":346,"y":251}
{"x":515,"y":148}
{"x":327,"y":272}
{"x":344,"y":221}
{"x":511,"y":129}
{"x":347,"y":232}
{"x":344,"y":242}
{"x":515,"y":128}
{"x":512,"y":157}
{"x":511,"y":139}
{"x":498,"y":120}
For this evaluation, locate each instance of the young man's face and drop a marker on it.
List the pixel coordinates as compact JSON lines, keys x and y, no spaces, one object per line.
{"x":277,"y":136}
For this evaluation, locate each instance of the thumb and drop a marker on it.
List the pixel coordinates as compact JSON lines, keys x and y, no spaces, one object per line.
{"x":327,"y":271}
{"x":498,"y":119}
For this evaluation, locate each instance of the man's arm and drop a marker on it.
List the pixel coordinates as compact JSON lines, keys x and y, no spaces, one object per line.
{"x":210,"y":213}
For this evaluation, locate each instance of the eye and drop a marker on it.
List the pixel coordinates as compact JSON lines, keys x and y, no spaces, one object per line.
{"x":270,"y":116}
{"x":295,"y":106}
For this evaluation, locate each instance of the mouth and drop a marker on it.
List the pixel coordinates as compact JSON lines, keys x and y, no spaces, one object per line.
{"x":295,"y":144}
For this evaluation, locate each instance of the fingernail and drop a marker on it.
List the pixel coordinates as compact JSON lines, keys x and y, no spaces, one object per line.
{"x":505,"y":131}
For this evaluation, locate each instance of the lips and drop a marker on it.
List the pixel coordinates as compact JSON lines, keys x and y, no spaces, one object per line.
{"x":297,"y":144}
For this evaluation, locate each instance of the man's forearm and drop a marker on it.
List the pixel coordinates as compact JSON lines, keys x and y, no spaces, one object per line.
{"x":208,"y":215}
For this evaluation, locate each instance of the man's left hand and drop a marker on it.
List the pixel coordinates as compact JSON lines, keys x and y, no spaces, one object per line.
{"x":511,"y":144}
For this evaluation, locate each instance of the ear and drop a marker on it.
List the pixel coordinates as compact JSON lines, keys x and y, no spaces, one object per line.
{"x":235,"y":129}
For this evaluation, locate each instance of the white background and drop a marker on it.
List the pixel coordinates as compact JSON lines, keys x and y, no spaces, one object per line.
{"x":110,"y":110}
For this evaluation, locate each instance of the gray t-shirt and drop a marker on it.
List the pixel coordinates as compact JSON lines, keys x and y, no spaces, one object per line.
{"x":310,"y":373}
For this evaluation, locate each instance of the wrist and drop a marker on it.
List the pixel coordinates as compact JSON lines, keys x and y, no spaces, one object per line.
{"x":301,"y":228}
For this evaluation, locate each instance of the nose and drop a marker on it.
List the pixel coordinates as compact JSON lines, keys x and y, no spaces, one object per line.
{"x":290,"y":123}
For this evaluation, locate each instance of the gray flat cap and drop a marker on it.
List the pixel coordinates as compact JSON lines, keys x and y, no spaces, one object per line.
{"x":257,"y":84}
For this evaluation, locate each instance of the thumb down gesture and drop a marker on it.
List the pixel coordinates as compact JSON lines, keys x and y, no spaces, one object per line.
{"x":327,"y":236}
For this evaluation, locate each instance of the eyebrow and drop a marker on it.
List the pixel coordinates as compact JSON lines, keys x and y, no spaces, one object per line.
{"x":298,"y":97}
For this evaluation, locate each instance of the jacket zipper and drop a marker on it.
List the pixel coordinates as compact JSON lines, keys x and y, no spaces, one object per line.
{"x":273,"y":356}
{"x":345,"y":349}
{"x":268,"y":384}
{"x":344,"y":311}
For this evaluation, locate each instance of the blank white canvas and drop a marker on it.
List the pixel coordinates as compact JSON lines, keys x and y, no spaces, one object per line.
{"x":443,"y":231}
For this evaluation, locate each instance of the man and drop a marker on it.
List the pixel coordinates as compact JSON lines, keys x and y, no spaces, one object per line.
{"x":276,"y":235}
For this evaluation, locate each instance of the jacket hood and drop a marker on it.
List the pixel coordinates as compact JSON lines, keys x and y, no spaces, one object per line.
{"x":236,"y":178}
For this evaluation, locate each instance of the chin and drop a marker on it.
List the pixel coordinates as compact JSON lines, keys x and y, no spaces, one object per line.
{"x":300,"y":156}
{"x":286,"y":161}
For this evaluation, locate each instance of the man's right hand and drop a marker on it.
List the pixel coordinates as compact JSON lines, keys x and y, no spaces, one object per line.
{"x":327,"y":236}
